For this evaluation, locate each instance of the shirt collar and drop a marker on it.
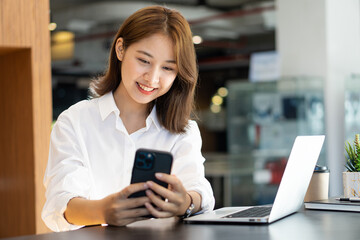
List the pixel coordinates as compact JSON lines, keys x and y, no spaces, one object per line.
{"x":107,"y":105}
{"x":152,"y":118}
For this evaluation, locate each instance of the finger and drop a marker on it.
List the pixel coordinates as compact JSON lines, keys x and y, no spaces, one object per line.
{"x":133,"y":188}
{"x":131,"y":203}
{"x":160,"y":190}
{"x":122,"y":217}
{"x":160,"y":203}
{"x":175,"y":183}
{"x":156,"y":213}
{"x":133,"y":213}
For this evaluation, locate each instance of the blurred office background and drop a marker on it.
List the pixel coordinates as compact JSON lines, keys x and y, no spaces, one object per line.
{"x":269,"y":71}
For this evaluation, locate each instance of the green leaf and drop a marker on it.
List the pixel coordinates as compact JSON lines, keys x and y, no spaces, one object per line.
{"x":352,"y":162}
{"x":352,"y":155}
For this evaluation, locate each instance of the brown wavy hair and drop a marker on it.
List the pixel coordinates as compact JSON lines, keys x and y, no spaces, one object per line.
{"x":175,"y":107}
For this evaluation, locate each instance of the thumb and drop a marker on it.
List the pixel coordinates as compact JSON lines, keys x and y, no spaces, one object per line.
{"x":133,"y":188}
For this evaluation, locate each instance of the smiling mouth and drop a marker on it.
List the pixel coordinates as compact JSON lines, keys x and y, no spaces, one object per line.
{"x":145,"y":88}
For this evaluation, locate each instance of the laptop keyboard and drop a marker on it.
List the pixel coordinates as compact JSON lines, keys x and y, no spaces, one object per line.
{"x":251,"y":212}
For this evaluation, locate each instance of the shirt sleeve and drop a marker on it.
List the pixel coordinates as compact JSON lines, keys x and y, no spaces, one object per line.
{"x":188,"y":166}
{"x":66,"y":175}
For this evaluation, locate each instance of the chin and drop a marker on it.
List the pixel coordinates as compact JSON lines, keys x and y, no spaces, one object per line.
{"x":142,"y":101}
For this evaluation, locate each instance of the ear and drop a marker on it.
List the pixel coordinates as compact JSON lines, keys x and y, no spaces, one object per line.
{"x":119,"y":48}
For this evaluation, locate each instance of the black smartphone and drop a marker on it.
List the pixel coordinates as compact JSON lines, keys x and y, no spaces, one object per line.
{"x":147,"y":163}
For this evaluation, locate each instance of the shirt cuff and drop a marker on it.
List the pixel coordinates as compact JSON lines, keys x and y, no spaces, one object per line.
{"x":56,"y":220}
{"x":207,"y":199}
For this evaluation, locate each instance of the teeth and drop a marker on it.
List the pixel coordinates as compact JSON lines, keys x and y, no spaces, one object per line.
{"x":145,"y":88}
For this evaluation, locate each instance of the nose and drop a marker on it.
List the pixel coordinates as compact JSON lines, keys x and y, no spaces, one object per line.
{"x":152,"y":76}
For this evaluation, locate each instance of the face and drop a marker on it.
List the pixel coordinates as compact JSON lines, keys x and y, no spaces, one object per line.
{"x":148,"y":68}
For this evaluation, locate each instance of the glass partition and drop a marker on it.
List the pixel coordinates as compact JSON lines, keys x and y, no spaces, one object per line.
{"x":352,"y":106}
{"x":268,"y":116}
{"x":263,"y":120}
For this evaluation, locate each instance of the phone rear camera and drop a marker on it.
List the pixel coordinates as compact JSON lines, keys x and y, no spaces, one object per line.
{"x":145,"y":161}
{"x":140,"y":164}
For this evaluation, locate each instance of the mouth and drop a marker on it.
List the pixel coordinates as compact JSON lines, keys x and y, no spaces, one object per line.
{"x":145,"y":88}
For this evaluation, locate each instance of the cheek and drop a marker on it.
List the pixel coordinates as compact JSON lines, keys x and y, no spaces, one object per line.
{"x":168,"y":82}
{"x":138,"y":69}
{"x":131,"y":69}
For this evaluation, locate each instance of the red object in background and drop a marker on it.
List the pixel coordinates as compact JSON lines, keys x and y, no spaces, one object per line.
{"x":277,"y":169}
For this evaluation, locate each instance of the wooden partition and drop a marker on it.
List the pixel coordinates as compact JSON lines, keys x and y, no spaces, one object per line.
{"x":25,"y":114}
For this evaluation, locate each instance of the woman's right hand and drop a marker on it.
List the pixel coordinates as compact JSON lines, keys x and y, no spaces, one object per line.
{"x":119,"y":210}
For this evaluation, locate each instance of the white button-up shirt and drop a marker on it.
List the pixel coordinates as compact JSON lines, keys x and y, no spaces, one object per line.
{"x":91,"y":156}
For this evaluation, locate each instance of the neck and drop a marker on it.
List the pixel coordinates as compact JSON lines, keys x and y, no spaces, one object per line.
{"x":132,"y":114}
{"x":126,"y":105}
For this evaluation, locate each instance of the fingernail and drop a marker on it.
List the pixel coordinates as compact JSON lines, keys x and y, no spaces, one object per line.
{"x":149,"y":184}
{"x":146,"y":186}
{"x":159,"y":175}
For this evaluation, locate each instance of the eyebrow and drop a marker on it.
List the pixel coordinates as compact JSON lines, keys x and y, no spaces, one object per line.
{"x":151,"y":56}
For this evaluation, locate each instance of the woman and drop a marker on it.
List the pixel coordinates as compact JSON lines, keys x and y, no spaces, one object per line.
{"x":144,"y":100}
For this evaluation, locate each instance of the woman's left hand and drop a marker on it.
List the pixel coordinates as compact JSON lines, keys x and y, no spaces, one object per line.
{"x":178,"y":200}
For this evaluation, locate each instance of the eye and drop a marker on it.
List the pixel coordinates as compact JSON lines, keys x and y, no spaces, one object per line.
{"x":168,"y":69}
{"x":143,"y":61}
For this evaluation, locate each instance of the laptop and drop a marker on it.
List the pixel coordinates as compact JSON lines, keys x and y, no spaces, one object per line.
{"x":290,"y":195}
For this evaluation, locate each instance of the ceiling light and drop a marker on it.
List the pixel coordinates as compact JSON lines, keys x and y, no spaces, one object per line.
{"x":52,"y":26}
{"x":63,"y":37}
{"x":217,"y":100}
{"x":215,"y":108}
{"x":197,"y":39}
{"x":223,"y":92}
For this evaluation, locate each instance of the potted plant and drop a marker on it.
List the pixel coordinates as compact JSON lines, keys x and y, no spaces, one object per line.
{"x":351,"y":178}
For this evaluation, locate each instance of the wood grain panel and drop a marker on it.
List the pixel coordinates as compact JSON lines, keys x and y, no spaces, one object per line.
{"x":17,"y":159}
{"x":17,"y":22}
{"x":42,"y":102}
{"x":25,"y":114}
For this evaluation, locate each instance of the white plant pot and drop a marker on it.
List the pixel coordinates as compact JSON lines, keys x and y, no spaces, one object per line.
{"x":351,"y":184}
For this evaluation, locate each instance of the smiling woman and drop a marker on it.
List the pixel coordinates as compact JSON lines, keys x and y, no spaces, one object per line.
{"x":148,"y":71}
{"x":177,"y":35}
{"x":144,"y":100}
